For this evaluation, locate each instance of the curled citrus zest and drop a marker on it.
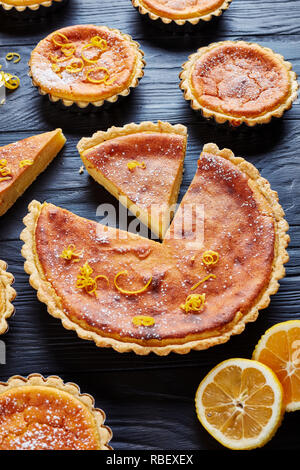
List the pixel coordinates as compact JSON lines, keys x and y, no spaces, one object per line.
{"x":10,"y":81}
{"x":133,"y":164}
{"x":86,"y":282}
{"x":56,"y":68}
{"x":210,"y":257}
{"x":143,"y":320}
{"x":97,"y":41}
{"x":5,"y":172}
{"x":5,"y":179}
{"x":3,"y":163}
{"x":70,"y":253}
{"x":203,"y":280}
{"x":128,"y":292}
{"x":193,"y":303}
{"x":68,"y":50}
{"x":62,"y":36}
{"x":11,"y":55}
{"x":26,"y":163}
{"x":98,"y":69}
{"x":75,"y":66}
{"x":90,"y":61}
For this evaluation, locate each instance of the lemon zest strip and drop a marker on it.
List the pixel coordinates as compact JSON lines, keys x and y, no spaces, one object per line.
{"x":11,"y":55}
{"x":85,"y":281}
{"x":90,"y":61}
{"x":134,"y":163}
{"x":143,"y":320}
{"x":102,"y":80}
{"x":10,"y":81}
{"x":61,"y":36}
{"x":70,"y":253}
{"x":72,"y":68}
{"x":99,"y":42}
{"x":127,"y":292}
{"x":210,"y":257}
{"x":3,"y":163}
{"x":25,"y":163}
{"x":5,"y":179}
{"x":203,"y":280}
{"x":193,"y":303}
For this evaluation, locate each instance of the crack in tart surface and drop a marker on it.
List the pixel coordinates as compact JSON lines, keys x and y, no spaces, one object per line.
{"x":38,"y":413}
{"x":141,"y":165}
{"x":22,"y":161}
{"x":190,"y":292}
{"x":22,"y":5}
{"x":191,"y":11}
{"x":86,"y":64}
{"x":7,"y":295}
{"x":238,"y":82}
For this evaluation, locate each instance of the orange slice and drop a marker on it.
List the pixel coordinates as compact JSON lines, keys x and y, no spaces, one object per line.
{"x":279,"y":348}
{"x":239,"y":403}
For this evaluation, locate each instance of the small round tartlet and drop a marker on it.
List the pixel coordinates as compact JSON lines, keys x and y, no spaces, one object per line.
{"x":180,"y":13}
{"x":7,"y":295}
{"x":38,"y":413}
{"x":238,"y":82}
{"x":86,"y":64}
{"x":22,"y":5}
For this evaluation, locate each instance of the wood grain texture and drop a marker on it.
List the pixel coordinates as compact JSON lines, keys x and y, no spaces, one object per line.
{"x":148,"y":400}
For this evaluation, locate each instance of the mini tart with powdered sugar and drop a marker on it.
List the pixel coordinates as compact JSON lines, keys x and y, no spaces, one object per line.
{"x":7,"y":295}
{"x":238,"y":82}
{"x":22,"y":5}
{"x":38,"y":413}
{"x":217,"y":266}
{"x":181,"y":12}
{"x":141,"y":165}
{"x":85,"y":64}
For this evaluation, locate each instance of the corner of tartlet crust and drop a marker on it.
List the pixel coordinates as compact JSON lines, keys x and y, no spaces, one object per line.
{"x":54,"y":381}
{"x":147,"y":126}
{"x":9,"y":294}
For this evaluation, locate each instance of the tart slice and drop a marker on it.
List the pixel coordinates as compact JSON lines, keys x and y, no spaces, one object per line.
{"x":7,"y":295}
{"x":38,"y":413}
{"x":189,"y":292}
{"x":22,"y":161}
{"x":22,"y":5}
{"x":238,"y":82}
{"x":185,"y":11}
{"x":141,"y":165}
{"x":86,"y":64}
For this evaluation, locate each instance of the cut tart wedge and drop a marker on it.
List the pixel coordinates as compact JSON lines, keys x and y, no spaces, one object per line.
{"x":185,"y":11}
{"x":22,"y":161}
{"x":141,"y":165}
{"x":38,"y":413}
{"x":7,"y":295}
{"x":239,"y":82}
{"x":189,"y":292}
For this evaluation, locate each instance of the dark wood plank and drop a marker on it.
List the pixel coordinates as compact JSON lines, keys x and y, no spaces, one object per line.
{"x":148,"y":400}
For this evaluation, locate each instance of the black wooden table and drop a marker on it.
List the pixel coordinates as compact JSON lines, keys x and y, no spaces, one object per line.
{"x":148,"y":400}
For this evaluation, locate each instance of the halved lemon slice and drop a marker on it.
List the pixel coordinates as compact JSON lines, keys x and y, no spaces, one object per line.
{"x":239,"y":403}
{"x":279,"y":348}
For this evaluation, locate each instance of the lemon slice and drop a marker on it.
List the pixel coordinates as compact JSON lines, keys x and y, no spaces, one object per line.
{"x":279,"y":348}
{"x":240,"y":403}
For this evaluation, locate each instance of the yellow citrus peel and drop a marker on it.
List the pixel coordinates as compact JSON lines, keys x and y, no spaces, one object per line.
{"x":101,"y":80}
{"x":210,"y":257}
{"x":86,"y":282}
{"x":61,"y":36}
{"x":11,"y":55}
{"x":193,"y":303}
{"x":70,"y":253}
{"x":99,"y":42}
{"x":134,"y":163}
{"x":3,"y":163}
{"x":128,"y":292}
{"x":203,"y":280}
{"x":75,"y":66}
{"x":143,"y":320}
{"x":10,"y":81}
{"x":25,"y":163}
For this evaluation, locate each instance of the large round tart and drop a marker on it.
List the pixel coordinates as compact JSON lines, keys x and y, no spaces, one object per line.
{"x":7,"y":295}
{"x":86,"y":64}
{"x":238,"y":82}
{"x":181,"y":12}
{"x":47,"y":414}
{"x":217,"y":266}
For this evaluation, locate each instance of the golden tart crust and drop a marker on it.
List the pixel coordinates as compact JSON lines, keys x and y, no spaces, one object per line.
{"x":250,"y":239}
{"x":239,"y":82}
{"x":150,"y":190}
{"x":185,"y":11}
{"x":22,"y":5}
{"x":38,"y":413}
{"x":7,"y":295}
{"x":92,"y":73}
